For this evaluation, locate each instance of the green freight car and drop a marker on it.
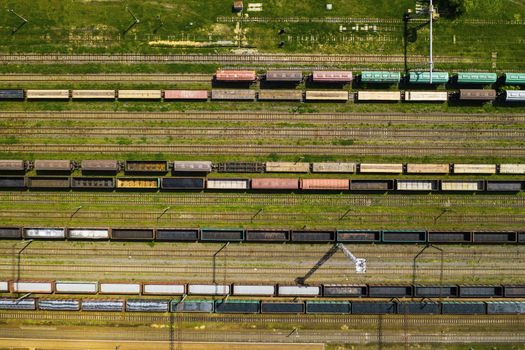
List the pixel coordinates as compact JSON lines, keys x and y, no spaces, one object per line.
{"x":515,"y":78}
{"x":381,"y":77}
{"x":424,"y":77}
{"x":477,"y":78}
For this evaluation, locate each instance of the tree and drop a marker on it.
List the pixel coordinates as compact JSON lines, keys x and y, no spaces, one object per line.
{"x":451,"y":8}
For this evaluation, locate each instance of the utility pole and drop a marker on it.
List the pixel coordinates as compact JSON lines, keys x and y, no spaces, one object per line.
{"x":431,"y":12}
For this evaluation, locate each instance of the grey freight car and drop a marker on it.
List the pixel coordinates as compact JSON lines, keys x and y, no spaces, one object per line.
{"x":12,"y":165}
{"x":110,"y":166}
{"x":93,"y":183}
{"x":192,"y":166}
{"x":477,"y":95}
{"x":284,"y":75}
{"x":280,"y":95}
{"x":53,"y":165}
{"x":233,"y":94}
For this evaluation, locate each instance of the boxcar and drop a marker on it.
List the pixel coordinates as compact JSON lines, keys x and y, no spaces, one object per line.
{"x":182,"y":183}
{"x":449,"y":237}
{"x":186,"y":94}
{"x":146,"y":166}
{"x":284,"y":75}
{"x":139,"y":94}
{"x":381,"y":168}
{"x":163,"y":289}
{"x":427,"y":168}
{"x":424,"y":77}
{"x":404,"y":236}
{"x":222,"y":235}
{"x":514,"y":96}
{"x":47,"y":94}
{"x":241,"y":167}
{"x":59,"y":304}
{"x":426,"y":96}
{"x":267,"y":235}
{"x":379,"y":95}
{"x":228,"y":184}
{"x":494,"y":237}
{"x":328,"y":307}
{"x":8,"y":94}
{"x":280,"y":95}
{"x":119,"y":288}
{"x":436,"y":291}
{"x":10,"y":232}
{"x":76,"y":287}
{"x":93,"y":94}
{"x":325,"y":184}
{"x":193,"y":166}
{"x":236,"y":75}
{"x":480,"y":291}
{"x":298,"y":291}
{"x":106,"y":305}
{"x":419,"y":308}
{"x":131,"y":234}
{"x":282,"y":307}
{"x":512,"y":168}
{"x":137,"y":183}
{"x":287,"y":167}
{"x":477,"y":95}
{"x":448,"y":185}
{"x":88,"y":233}
{"x":238,"y":306}
{"x":320,"y":95}
{"x":358,"y":236}
{"x":208,"y":289}
{"x":312,"y":236}
{"x":273,"y":183}
{"x":371,"y":185}
{"x":477,"y":78}
{"x":15,"y":304}
{"x":515,"y":78}
{"x":110,"y":166}
{"x":505,"y":307}
{"x":340,"y":76}
{"x":333,"y":168}
{"x":45,"y":233}
{"x":192,"y":306}
{"x":505,"y":186}
{"x":254,"y":290}
{"x":345,"y":290}
{"x":233,"y":95}
{"x":13,"y":182}
{"x":12,"y":165}
{"x":174,"y":235}
{"x":474,"y":168}
{"x":417,"y":185}
{"x":53,"y":165}
{"x":93,"y":183}
{"x":147,"y":305}
{"x":380,"y":77}
{"x":389,"y":291}
{"x":373,"y":307}
{"x":40,"y":287}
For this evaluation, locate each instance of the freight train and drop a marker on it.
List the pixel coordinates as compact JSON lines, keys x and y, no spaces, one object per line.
{"x":348,"y":291}
{"x":250,"y":95}
{"x":344,"y":235}
{"x":90,"y":167}
{"x":241,"y":306}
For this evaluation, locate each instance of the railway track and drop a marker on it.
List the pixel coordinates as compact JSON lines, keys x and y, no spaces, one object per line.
{"x":106,"y":78}
{"x":362,"y":134}
{"x":275,"y":117}
{"x":207,"y":198}
{"x":245,"y":58}
{"x":249,"y":217}
{"x":263,"y":150}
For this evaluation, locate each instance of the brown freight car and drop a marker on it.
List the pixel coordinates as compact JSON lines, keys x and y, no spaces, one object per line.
{"x":284,"y":75}
{"x":325,"y":184}
{"x":233,"y":94}
{"x":275,"y":184}
{"x":339,"y":76}
{"x":280,"y":95}
{"x":100,"y":166}
{"x":236,"y":75}
{"x":12,"y":165}
{"x":185,"y":94}
{"x":477,"y":95}
{"x":53,"y":165}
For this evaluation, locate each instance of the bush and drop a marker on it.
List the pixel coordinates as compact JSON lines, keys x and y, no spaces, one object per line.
{"x":451,"y":8}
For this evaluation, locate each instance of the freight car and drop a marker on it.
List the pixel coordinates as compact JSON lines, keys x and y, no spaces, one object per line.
{"x":236,"y":76}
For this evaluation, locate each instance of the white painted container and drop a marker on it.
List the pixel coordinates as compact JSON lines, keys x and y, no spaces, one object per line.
{"x":74,"y":287}
{"x":47,"y":94}
{"x":416,"y":185}
{"x":333,"y":167}
{"x":427,"y":168}
{"x":32,"y":287}
{"x":299,"y":291}
{"x":512,"y":168}
{"x":381,"y":168}
{"x":140,"y":94}
{"x":86,"y":233}
{"x":228,"y":184}
{"x":163,"y":289}
{"x":119,"y":288}
{"x":4,"y":286}
{"x":208,"y":289}
{"x":93,"y":94}
{"x":379,"y":96}
{"x":56,"y":233}
{"x":426,"y":96}
{"x":461,"y":185}
{"x":474,"y":169}
{"x":267,"y":290}
{"x":287,"y":167}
